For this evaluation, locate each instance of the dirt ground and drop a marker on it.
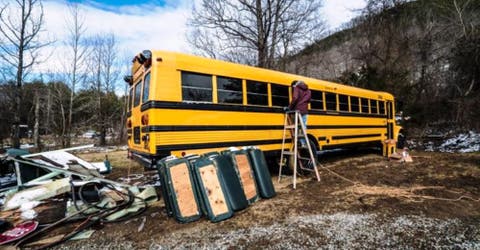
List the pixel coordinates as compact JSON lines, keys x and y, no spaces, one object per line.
{"x":430,"y":203}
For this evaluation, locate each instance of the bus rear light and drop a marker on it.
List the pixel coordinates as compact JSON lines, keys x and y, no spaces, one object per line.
{"x":145,"y":119}
{"x":183,"y":154}
{"x":140,"y":58}
{"x":128,"y":79}
{"x":129,"y":123}
{"x":144,"y":58}
{"x":147,"y":54}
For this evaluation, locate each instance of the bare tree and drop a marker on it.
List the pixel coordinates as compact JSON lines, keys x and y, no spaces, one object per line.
{"x":104,"y":74}
{"x":20,"y":25}
{"x":269,"y":29}
{"x":75,"y":64}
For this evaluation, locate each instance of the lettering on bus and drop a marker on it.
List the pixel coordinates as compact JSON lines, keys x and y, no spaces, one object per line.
{"x":196,"y":87}
{"x":229,"y":90}
{"x":279,"y":95}
{"x":257,"y":93}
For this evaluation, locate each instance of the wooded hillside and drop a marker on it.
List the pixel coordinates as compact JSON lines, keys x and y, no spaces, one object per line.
{"x":427,"y":53}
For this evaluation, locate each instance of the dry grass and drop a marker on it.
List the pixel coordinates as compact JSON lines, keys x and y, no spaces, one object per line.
{"x":408,"y":193}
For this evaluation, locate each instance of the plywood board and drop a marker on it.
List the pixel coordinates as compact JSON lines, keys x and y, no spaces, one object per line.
{"x":246,"y":177}
{"x":183,"y":188}
{"x":214,"y":191}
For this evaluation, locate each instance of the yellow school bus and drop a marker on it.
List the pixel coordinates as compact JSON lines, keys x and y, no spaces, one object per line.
{"x":181,"y":104}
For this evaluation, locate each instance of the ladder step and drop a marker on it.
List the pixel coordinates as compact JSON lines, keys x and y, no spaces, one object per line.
{"x":288,"y":153}
{"x":289,"y":126}
{"x":304,"y":158}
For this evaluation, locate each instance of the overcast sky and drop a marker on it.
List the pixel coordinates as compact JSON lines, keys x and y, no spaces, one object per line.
{"x":155,"y":24}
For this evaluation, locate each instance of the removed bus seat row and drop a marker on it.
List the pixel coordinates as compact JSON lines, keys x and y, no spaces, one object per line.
{"x":214,"y":184}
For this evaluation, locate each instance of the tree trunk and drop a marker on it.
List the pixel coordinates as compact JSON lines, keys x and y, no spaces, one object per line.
{"x":18,"y":88}
{"x":36,"y":128}
{"x":49,"y":107}
{"x":260,"y":36}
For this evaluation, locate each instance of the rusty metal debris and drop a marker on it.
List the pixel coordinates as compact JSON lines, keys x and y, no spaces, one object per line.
{"x":57,"y":188}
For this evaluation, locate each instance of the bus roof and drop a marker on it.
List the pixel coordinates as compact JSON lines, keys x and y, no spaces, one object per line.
{"x":204,"y":65}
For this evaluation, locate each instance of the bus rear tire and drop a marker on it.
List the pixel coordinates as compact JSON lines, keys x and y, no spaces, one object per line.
{"x":306,"y":163}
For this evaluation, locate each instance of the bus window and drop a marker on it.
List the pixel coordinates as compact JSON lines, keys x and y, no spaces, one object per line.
{"x":354,"y":104}
{"x":138,"y":92}
{"x":146,"y":88}
{"x":331,"y":101}
{"x":257,"y":93}
{"x":373,"y":106}
{"x":364,"y":105}
{"x":317,"y":100}
{"x":196,"y":87}
{"x":279,"y":95}
{"x":343,"y":101}
{"x":229,"y":90}
{"x":130,"y":96}
{"x":382,"y":107}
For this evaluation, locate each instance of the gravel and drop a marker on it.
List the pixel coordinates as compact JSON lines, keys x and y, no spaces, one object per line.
{"x":335,"y":231}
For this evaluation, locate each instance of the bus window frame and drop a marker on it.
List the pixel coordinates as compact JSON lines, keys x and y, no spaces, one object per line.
{"x":342,"y":104}
{"x":358,"y":104}
{"x":327,"y":102}
{"x":313,"y":100}
{"x":260,"y":83}
{"x":143,"y":87}
{"x":271,"y":96}
{"x":211,"y":100}
{"x":130,"y":100}
{"x":218,"y":90}
{"x":366,"y":107}
{"x":135,"y":103}
{"x":374,"y":108}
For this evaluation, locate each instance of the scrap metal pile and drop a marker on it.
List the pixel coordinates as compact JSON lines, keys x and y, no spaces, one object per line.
{"x":59,"y":190}
{"x":58,"y":196}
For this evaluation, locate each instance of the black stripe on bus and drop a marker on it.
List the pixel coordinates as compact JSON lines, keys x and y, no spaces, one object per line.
{"x":240,"y":108}
{"x":322,"y":138}
{"x":167,"y":128}
{"x":218,"y":145}
{"x":338,"y":137}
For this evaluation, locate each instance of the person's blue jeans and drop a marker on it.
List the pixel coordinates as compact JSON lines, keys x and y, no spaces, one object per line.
{"x":304,"y":119}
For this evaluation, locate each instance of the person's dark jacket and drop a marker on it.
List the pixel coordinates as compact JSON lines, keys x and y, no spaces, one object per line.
{"x":301,"y":98}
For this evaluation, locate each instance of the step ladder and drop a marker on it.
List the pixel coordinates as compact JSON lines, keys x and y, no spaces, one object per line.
{"x":293,"y":151}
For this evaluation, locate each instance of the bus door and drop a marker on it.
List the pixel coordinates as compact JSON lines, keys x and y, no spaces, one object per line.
{"x":390,"y":120}
{"x":389,"y":145}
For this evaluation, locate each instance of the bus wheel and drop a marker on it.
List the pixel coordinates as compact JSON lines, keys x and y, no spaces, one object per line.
{"x":305,"y":162}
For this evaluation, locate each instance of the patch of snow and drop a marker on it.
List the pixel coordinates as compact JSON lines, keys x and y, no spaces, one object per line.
{"x":26,"y":146}
{"x":29,"y":214}
{"x":462,"y":143}
{"x":452,"y":143}
{"x":26,"y":196}
{"x":29,"y":205}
